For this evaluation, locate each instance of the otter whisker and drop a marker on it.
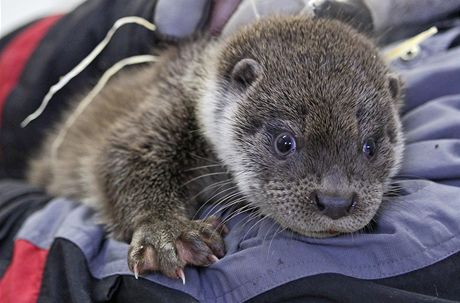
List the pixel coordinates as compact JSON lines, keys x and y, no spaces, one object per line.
{"x":214,"y":194}
{"x":227,"y":205}
{"x":195,"y":131}
{"x":210,"y":200}
{"x":203,"y":176}
{"x":220,"y":184}
{"x":237,"y":211}
{"x":279,"y":230}
{"x":410,"y":177}
{"x":234,"y":211}
{"x":254,"y":225}
{"x":269,"y":230}
{"x":203,"y":167}
{"x":222,"y":201}
{"x":205,"y":159}
{"x":252,"y":216}
{"x":231,"y":210}
{"x":396,"y":205}
{"x":233,"y":214}
{"x":266,"y":234}
{"x":256,"y":214}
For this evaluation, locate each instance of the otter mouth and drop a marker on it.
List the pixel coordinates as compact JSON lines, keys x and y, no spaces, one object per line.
{"x":329,"y":231}
{"x":325,"y":234}
{"x":332,"y":232}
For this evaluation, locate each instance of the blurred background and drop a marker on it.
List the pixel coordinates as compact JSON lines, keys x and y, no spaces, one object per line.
{"x":14,"y":13}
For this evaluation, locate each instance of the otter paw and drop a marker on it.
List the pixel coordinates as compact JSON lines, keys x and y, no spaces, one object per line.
{"x":169,"y":246}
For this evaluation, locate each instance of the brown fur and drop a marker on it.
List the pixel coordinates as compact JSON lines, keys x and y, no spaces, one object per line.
{"x":132,"y":154}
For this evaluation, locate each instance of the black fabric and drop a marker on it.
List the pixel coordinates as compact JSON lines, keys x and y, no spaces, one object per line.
{"x":437,"y":283}
{"x":67,"y":279}
{"x":17,"y":202}
{"x":73,"y":37}
{"x":353,"y":12}
{"x":9,"y":36}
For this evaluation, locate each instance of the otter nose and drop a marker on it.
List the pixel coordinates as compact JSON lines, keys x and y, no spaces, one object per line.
{"x":334,"y":207}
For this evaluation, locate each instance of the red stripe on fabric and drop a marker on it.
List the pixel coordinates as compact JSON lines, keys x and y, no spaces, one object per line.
{"x":22,"y":280}
{"x":16,"y":54}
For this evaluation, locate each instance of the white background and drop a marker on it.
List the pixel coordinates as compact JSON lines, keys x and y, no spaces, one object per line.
{"x":14,"y":13}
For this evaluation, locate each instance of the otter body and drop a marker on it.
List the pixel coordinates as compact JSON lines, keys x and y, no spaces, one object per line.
{"x":297,"y":117}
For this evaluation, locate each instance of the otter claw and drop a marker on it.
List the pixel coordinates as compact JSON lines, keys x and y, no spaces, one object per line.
{"x":181,"y":275}
{"x":136,"y":271}
{"x":213,"y":258}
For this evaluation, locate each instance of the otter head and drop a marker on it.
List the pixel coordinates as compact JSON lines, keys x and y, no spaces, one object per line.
{"x":304,"y":113}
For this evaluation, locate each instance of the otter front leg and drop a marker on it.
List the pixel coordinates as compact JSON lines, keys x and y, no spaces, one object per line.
{"x":141,"y":181}
{"x":168,"y":246}
{"x":145,"y":207}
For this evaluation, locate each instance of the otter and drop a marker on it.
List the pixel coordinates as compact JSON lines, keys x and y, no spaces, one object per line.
{"x":295,"y":116}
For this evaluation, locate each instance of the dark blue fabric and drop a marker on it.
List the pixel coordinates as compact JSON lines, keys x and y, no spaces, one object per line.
{"x":432,"y":111}
{"x":17,"y":202}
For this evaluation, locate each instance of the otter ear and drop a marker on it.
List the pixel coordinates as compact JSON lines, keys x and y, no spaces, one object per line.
{"x":246,"y":72}
{"x":394,"y":84}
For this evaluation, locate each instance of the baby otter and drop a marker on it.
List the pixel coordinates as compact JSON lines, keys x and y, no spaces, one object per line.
{"x":300,"y":114}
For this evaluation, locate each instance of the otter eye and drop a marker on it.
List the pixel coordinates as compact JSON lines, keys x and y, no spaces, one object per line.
{"x":369,"y":147}
{"x":285,"y":144}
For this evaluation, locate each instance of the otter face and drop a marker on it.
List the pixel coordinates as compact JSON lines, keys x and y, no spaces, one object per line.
{"x":305,"y":115}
